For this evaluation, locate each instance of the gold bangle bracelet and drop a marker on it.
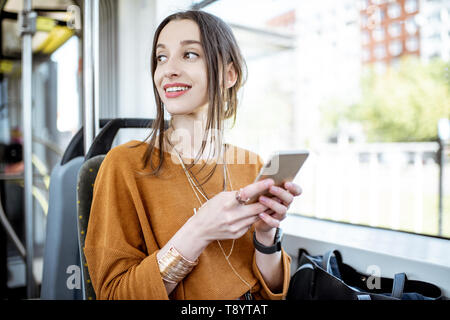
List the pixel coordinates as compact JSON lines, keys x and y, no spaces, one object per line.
{"x":173,"y":267}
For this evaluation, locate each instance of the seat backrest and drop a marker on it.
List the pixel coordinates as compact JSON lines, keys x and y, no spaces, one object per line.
{"x":61,"y":264}
{"x":61,"y":257}
{"x":86,"y":179}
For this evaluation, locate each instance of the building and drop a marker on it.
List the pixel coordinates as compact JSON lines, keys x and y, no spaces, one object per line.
{"x":389,"y":30}
{"x":434,"y":22}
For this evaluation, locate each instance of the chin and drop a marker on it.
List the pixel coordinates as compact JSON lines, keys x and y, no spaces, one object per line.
{"x":182,"y":110}
{"x":179,"y":111}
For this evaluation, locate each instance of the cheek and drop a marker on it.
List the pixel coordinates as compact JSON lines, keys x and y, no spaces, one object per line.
{"x":157,"y":77}
{"x":157,"y":83}
{"x":203,"y":77}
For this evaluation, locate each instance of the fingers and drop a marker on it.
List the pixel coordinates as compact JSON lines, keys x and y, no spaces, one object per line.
{"x":252,"y":209}
{"x":285,"y":196}
{"x":241,"y":211}
{"x":274,"y":205}
{"x":247,"y":222}
{"x":274,"y":223}
{"x":256,"y":188}
{"x":293,"y":188}
{"x":239,"y":228}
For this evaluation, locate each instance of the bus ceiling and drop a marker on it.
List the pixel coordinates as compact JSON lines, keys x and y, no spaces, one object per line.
{"x":53,"y":25}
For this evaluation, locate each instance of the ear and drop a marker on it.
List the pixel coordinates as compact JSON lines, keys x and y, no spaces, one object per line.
{"x":231,"y":76}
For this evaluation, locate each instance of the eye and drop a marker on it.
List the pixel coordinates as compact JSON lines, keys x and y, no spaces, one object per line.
{"x":161,"y":58}
{"x":190,"y":55}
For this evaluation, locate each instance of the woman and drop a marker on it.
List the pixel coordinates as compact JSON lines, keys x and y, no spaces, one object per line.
{"x":168,"y":233}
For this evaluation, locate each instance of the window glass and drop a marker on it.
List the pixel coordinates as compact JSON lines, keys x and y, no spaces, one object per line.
{"x":412,"y":43}
{"x":380,"y":51}
{"x":411,"y":26}
{"x":362,"y":95}
{"x":55,"y":119}
{"x":411,"y":6}
{"x":395,"y":29}
{"x":394,"y":10}
{"x":395,"y":47}
{"x":378,"y":33}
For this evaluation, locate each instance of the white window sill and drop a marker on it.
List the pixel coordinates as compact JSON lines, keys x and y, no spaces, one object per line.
{"x":420,"y":257}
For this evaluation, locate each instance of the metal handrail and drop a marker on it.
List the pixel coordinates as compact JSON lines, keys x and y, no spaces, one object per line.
{"x":11,"y":233}
{"x":90,"y":71}
{"x":26,"y":31}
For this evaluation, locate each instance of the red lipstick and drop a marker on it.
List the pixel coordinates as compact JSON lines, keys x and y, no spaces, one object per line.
{"x":174,"y":90}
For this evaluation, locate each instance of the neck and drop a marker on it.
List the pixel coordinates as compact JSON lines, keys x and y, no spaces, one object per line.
{"x":186,"y":136}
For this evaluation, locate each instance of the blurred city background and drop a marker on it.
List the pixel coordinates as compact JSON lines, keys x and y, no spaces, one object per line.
{"x":362,"y":84}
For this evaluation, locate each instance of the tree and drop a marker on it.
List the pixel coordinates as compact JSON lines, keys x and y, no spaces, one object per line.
{"x":402,"y":104}
{"x":405,"y":103}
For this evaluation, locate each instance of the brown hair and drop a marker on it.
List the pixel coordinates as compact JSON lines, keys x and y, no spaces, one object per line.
{"x":220,"y":49}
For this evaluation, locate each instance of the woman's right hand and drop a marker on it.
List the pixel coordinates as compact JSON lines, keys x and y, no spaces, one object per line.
{"x":223,"y":217}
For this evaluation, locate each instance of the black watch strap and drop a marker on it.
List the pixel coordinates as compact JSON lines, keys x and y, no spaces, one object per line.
{"x":271,"y":249}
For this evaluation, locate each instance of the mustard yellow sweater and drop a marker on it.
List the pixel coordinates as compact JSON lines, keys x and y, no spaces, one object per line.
{"x":133,"y":216}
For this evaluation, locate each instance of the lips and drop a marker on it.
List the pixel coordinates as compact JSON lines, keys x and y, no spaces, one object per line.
{"x":174,"y":90}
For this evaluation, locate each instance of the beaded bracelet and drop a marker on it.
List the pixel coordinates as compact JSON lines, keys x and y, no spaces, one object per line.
{"x":173,"y":267}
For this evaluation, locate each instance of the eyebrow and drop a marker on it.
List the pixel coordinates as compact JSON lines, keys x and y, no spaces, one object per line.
{"x":183,"y":43}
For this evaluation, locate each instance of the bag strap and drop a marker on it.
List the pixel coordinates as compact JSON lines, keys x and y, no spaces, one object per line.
{"x":358,"y":279}
{"x":301,"y":251}
{"x":399,"y":285}
{"x":326,"y":261}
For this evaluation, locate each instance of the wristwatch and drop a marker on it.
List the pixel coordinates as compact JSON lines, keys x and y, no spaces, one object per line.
{"x":273,"y":248}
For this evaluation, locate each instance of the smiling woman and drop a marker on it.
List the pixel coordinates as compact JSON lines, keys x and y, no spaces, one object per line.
{"x":188,"y":52}
{"x":181,"y":73}
{"x":156,"y":232}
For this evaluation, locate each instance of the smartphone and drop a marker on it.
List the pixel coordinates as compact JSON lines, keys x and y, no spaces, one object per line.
{"x":283,"y":166}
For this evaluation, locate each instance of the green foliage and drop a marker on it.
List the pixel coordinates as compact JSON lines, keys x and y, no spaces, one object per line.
{"x":402,"y":104}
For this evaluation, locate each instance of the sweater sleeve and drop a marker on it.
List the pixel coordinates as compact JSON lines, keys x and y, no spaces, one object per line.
{"x":264,"y":290}
{"x":120,"y":264}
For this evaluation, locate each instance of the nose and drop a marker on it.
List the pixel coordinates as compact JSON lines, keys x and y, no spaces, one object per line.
{"x":172,"y":68}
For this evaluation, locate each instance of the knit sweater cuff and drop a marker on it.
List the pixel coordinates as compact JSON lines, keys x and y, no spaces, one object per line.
{"x":266,"y":293}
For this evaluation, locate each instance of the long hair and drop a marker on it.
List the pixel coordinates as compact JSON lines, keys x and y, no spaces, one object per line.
{"x":220,"y":48}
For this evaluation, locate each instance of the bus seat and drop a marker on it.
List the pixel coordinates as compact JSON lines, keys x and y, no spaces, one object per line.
{"x":86,"y":178}
{"x":61,"y":256}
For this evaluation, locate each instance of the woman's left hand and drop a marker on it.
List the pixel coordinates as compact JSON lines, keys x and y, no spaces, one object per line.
{"x":278,"y":206}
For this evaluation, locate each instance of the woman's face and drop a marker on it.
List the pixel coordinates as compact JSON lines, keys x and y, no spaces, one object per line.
{"x":181,"y":74}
